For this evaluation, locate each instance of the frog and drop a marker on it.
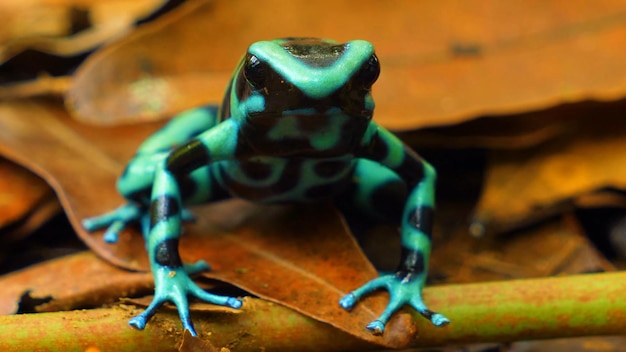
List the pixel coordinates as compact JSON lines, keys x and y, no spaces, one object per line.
{"x":295,"y":126}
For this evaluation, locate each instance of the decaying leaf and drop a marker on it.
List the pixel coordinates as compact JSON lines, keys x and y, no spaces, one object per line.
{"x":442,"y":62}
{"x":526,"y":185}
{"x":516,"y":131}
{"x":554,"y":248}
{"x":452,"y":62}
{"x":44,"y":85}
{"x":75,"y":281}
{"x":26,"y":201}
{"x":48,"y":25}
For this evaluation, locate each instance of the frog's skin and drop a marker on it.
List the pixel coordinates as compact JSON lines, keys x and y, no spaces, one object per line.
{"x":295,"y":126}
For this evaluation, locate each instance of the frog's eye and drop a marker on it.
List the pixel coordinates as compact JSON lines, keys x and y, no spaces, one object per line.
{"x":368,"y":73}
{"x":255,"y":72}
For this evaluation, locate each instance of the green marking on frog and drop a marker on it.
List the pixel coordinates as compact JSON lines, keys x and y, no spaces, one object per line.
{"x":295,"y":126}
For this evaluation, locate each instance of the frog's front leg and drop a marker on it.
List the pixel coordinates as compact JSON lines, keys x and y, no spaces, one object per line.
{"x":172,"y":282}
{"x":406,"y":284}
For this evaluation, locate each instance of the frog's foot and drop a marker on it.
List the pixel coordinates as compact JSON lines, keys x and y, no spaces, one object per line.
{"x":116,"y":220}
{"x":403,"y":289}
{"x":174,"y":285}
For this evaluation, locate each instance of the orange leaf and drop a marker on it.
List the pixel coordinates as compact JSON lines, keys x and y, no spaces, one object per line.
{"x":26,"y":200}
{"x":71,"y":282}
{"x":442,"y":62}
{"x":541,"y":181}
{"x":46,"y":25}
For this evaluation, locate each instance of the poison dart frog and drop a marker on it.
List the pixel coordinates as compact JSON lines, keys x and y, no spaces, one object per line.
{"x":295,"y":125}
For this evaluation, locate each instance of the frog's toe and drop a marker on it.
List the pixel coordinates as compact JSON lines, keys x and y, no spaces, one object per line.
{"x":197,"y":267}
{"x":377,"y":327}
{"x":111,"y":235}
{"x":348,"y":301}
{"x":439,"y":320}
{"x":91,"y":224}
{"x":226,"y":301}
{"x":115,"y":221}
{"x":234,"y":302}
{"x":138,"y":322}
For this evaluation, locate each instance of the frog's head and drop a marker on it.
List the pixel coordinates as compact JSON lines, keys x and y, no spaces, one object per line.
{"x":299,"y":96}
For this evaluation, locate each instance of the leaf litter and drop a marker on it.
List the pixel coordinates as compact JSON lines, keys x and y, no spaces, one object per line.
{"x":464,"y":86}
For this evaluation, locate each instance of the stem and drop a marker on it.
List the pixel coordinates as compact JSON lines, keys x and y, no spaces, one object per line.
{"x":578,"y":305}
{"x":582,"y":305}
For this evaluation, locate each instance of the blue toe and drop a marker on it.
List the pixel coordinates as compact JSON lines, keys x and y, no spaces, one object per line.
{"x":110,"y":237}
{"x":377,"y":327}
{"x":138,"y":322}
{"x":188,"y":326}
{"x":439,"y":320}
{"x":234,"y":302}
{"x":348,"y":301}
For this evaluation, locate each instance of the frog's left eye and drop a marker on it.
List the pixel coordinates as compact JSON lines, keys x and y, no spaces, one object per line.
{"x":255,"y":72}
{"x":368,"y":73}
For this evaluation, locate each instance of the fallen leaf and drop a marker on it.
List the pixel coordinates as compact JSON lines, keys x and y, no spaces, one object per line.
{"x":516,"y":131}
{"x":44,"y":85}
{"x":47,"y":25}
{"x":545,"y":180}
{"x":451,"y":62}
{"x":553,"y":248}
{"x":26,"y":201}
{"x":71,"y":282}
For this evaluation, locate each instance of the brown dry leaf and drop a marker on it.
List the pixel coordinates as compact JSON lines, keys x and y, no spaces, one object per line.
{"x":556,"y":247}
{"x":46,"y":25}
{"x":442,"y":62}
{"x":301,"y":257}
{"x":26,"y":201}
{"x":196,"y":344}
{"x":74,"y":281}
{"x":513,"y":132}
{"x":537,"y":182}
{"x":44,"y":85}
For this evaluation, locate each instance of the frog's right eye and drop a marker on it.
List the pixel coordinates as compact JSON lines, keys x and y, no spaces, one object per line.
{"x":368,"y":73}
{"x":255,"y":71}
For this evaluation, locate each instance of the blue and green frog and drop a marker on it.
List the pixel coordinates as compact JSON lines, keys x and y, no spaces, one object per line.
{"x":295,"y":126}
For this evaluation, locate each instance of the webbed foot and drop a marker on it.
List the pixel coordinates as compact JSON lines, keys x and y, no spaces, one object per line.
{"x":175,"y":285}
{"x":116,"y":220}
{"x":403,"y":289}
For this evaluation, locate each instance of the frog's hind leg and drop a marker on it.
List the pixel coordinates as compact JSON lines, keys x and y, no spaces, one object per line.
{"x":379,"y":190}
{"x":136,"y":181}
